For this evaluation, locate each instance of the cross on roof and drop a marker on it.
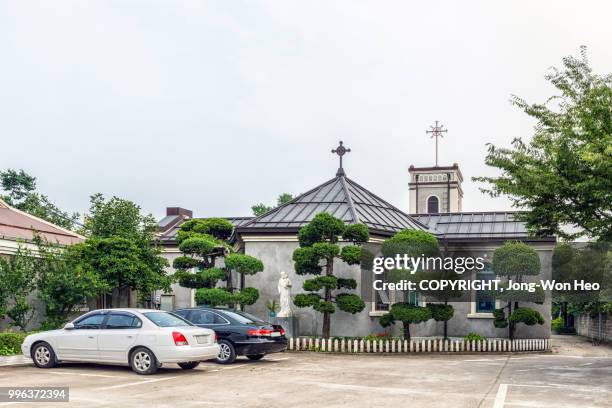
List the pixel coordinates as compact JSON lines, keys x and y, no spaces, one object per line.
{"x":436,"y":131}
{"x":340,"y":151}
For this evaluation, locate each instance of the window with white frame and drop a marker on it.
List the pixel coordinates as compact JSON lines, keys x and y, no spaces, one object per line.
{"x":485,"y":302}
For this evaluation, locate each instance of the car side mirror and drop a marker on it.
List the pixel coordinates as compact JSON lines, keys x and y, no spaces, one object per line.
{"x":69,"y":326}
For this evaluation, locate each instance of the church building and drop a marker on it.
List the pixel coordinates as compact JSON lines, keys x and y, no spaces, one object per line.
{"x":435,"y":206}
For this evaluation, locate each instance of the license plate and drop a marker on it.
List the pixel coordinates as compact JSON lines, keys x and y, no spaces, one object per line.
{"x":202,"y":339}
{"x":275,"y":334}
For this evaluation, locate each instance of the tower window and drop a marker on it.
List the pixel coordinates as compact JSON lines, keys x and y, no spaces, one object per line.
{"x":433,"y":205}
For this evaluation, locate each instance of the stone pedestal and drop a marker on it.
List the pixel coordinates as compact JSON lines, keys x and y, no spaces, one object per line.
{"x":290,"y":324}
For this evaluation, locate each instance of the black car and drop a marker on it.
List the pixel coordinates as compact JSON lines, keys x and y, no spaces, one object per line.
{"x":238,"y":333}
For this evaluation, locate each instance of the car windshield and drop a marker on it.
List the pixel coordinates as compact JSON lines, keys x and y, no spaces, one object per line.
{"x":165,"y":319}
{"x":243,"y":317}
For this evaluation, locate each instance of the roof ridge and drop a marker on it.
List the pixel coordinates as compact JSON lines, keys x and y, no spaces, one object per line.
{"x":349,"y":199}
{"x":292,"y":201}
{"x":389,"y":204}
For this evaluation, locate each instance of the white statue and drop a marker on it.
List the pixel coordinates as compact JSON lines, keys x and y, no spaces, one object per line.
{"x":284,"y":289}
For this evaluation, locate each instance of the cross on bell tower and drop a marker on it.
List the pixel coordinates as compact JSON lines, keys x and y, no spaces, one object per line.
{"x":437,"y":132}
{"x":340,"y":151}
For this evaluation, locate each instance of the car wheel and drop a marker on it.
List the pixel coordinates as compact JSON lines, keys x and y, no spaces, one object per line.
{"x":227,"y":353}
{"x":143,"y":361}
{"x":255,"y":357}
{"x":43,"y":356}
{"x":190,"y":365}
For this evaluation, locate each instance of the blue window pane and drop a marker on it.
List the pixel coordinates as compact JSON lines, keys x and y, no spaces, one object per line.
{"x":485,"y":303}
{"x":485,"y":306}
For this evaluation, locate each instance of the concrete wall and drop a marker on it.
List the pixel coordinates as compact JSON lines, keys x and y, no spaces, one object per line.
{"x":592,"y":327}
{"x":183,"y":297}
{"x":276,"y":255}
{"x":466,"y":320}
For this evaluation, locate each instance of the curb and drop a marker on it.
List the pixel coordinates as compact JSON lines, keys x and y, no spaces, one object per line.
{"x":15,"y":361}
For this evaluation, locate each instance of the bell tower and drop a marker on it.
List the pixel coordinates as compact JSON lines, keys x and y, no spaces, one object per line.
{"x":435,"y":190}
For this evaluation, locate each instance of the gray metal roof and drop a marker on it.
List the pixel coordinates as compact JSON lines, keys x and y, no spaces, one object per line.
{"x":340,"y":197}
{"x":170,"y":235}
{"x":500,"y":225}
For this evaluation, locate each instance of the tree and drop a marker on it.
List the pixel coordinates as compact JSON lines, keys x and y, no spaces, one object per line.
{"x":17,"y":281}
{"x":413,"y":243}
{"x":563,"y":261}
{"x":207,"y":251}
{"x":315,"y":256}
{"x":514,"y":261}
{"x":64,"y":282}
{"x":442,"y":312}
{"x":122,"y":249}
{"x":261,"y":208}
{"x":407,"y":314}
{"x":21,"y":194}
{"x":563,"y":176}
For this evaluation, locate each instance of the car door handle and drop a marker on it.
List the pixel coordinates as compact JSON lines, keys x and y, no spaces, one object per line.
{"x":90,"y":337}
{"x":130,"y":337}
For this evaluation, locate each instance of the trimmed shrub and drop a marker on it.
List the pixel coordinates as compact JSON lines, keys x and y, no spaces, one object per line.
{"x":245,"y":264}
{"x":500,"y":320}
{"x":515,"y":258}
{"x":412,"y":243}
{"x":357,"y":233}
{"x":474,"y":336}
{"x":527,"y":316}
{"x":441,"y":312}
{"x":247,"y":296}
{"x":213,"y":297}
{"x":351,"y":254}
{"x":350,"y":303}
{"x":219,"y":228}
{"x":320,"y":282}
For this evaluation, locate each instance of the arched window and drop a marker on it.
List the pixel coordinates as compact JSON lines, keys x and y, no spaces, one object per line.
{"x":433,"y":205}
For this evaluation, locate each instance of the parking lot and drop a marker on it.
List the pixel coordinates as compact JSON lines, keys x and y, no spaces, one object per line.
{"x":576,"y":375}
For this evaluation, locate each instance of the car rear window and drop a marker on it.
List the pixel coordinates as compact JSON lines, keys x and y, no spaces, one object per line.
{"x":165,"y":319}
{"x":243,"y":317}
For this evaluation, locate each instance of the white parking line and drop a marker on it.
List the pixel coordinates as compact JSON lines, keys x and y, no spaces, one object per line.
{"x":227,"y":368}
{"x":84,"y":374}
{"x":112,"y":387}
{"x":502,"y":391}
{"x":500,"y":398}
{"x":486,"y":359}
{"x":278,"y":359}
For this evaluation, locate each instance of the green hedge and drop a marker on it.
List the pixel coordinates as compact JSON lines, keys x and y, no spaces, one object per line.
{"x":10,"y":343}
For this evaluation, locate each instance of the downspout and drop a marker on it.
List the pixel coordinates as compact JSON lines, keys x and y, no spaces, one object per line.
{"x":448,"y":191}
{"x":416,"y":179}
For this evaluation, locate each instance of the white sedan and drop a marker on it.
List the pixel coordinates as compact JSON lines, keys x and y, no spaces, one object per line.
{"x":141,"y":338}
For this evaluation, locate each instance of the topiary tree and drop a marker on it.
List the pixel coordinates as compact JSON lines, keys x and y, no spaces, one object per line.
{"x":514,"y":261}
{"x":315,"y":256}
{"x":442,"y":312}
{"x":407,"y":314}
{"x":415,"y":243}
{"x":208,"y":259}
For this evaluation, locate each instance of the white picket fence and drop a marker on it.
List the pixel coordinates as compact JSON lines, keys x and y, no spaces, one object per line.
{"x":417,"y":346}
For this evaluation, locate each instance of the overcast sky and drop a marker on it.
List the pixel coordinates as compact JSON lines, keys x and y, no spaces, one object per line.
{"x":216,"y":105}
